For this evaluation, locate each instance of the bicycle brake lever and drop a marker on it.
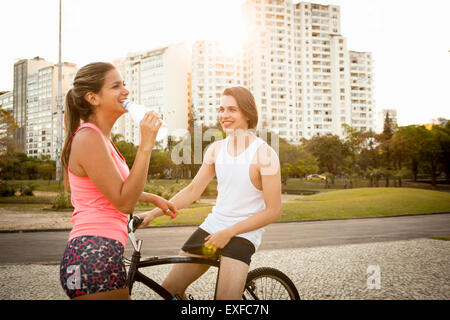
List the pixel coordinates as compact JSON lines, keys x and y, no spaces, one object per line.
{"x":136,"y":222}
{"x":131,"y":229}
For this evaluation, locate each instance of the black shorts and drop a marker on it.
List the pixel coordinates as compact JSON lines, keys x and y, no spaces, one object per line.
{"x":238,"y":248}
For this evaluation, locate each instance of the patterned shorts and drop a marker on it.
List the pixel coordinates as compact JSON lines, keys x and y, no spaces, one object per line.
{"x":92,"y":264}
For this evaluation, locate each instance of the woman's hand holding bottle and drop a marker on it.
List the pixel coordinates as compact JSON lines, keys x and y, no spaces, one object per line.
{"x":149,"y":127}
{"x":137,"y":113}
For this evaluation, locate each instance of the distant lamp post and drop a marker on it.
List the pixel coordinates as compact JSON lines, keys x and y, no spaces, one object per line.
{"x":59,"y":107}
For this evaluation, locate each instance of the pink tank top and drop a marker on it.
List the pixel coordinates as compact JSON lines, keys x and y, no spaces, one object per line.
{"x":93,"y":214}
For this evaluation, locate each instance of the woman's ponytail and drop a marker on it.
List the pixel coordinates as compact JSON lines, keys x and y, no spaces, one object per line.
{"x":72,"y":121}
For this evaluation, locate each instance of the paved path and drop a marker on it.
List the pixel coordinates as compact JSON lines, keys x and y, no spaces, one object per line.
{"x":47,"y":247}
{"x":407,"y":269}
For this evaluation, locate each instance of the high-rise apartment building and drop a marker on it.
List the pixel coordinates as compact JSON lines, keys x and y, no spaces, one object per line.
{"x":269,"y":59}
{"x":158,"y":79}
{"x":34,"y":106}
{"x":24,"y":72}
{"x":297,"y":65}
{"x":321,"y":53}
{"x":213,"y":70}
{"x":361,"y":88}
{"x":298,"y":68}
{"x":6,"y":100}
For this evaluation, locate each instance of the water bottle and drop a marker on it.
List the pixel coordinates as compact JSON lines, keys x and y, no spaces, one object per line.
{"x":137,"y":113}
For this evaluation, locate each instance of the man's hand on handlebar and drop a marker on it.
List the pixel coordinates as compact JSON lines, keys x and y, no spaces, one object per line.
{"x":167,"y":207}
{"x":134,"y":223}
{"x":148,"y":216}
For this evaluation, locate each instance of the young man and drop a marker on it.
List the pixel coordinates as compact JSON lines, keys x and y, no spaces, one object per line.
{"x":249,"y":198}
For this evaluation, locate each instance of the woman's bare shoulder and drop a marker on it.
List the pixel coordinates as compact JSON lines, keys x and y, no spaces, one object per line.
{"x":87,"y":137}
{"x":88,"y":141}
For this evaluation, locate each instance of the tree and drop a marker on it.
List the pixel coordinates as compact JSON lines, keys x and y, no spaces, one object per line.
{"x":116,"y":137}
{"x":128,"y":151}
{"x":295,"y":160}
{"x":46,"y":170}
{"x":385,"y":147}
{"x":369,"y":157}
{"x":287,"y":153}
{"x":160,"y":164}
{"x":354,"y":141}
{"x":29,"y":169}
{"x":388,"y":128}
{"x":7,"y":129}
{"x":376,"y":174}
{"x":400,"y":174}
{"x":10,"y":165}
{"x":329,"y":150}
{"x":436,"y":150}
{"x":445,"y":146}
{"x":431,"y":150}
{"x":19,"y":166}
{"x":407,"y":143}
{"x":286,"y":171}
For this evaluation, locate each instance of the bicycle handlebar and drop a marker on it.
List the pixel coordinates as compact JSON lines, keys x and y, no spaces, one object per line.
{"x":132,"y":226}
{"x":134,"y":223}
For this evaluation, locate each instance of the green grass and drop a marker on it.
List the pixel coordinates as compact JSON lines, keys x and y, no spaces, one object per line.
{"x":329,"y":204}
{"x":441,"y":238}
{"x":189,"y":215}
{"x":21,"y":207}
{"x":350,"y":203}
{"x":365,"y":202}
{"x":144,"y":206}
{"x":26,"y":200}
{"x":295,"y":184}
{"x":41,"y":185}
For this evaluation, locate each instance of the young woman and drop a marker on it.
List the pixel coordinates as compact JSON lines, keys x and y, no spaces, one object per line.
{"x":249,"y":198}
{"x":103,"y":189}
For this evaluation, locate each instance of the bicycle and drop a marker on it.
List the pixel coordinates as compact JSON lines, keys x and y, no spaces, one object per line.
{"x":263,"y":283}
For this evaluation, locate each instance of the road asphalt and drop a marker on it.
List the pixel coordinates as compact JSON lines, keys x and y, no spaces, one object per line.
{"x":47,"y":247}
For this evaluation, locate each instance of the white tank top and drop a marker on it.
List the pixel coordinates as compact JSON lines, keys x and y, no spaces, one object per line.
{"x":238,"y":199}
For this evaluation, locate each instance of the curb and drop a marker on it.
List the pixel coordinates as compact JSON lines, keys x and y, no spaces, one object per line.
{"x":196,"y":225}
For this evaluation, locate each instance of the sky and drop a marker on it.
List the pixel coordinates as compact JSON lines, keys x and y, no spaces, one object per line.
{"x":409,"y":39}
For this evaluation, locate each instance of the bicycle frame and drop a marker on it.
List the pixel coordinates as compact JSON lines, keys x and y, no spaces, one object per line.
{"x":135,"y":275}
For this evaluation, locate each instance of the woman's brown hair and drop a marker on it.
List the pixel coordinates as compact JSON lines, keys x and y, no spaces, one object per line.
{"x":246,"y":103}
{"x":89,"y":78}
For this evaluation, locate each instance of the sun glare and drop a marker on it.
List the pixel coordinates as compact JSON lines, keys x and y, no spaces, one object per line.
{"x":229,"y":29}
{"x":231,"y":47}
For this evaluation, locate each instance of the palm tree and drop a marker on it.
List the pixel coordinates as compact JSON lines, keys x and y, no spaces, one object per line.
{"x":116,"y":137}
